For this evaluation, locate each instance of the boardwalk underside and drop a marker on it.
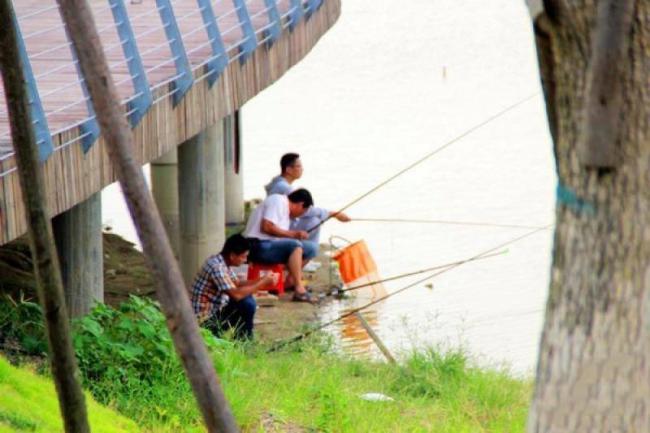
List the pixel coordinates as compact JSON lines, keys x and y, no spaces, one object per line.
{"x":72,"y":175}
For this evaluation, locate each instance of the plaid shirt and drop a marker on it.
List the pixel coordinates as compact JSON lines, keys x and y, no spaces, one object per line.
{"x":209,"y":287}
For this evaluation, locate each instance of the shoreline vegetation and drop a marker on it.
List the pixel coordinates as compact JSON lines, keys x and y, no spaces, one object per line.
{"x":129,"y":366}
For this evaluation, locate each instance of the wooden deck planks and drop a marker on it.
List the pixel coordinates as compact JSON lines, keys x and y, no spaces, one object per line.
{"x":56,"y":75}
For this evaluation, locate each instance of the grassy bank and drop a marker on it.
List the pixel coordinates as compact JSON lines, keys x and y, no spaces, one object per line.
{"x":322,"y":392}
{"x":28,"y":403}
{"x":128,"y":363}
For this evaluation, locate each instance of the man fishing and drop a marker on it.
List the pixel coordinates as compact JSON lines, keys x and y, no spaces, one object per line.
{"x":273,"y":241}
{"x":290,"y":170}
{"x":219,"y":299}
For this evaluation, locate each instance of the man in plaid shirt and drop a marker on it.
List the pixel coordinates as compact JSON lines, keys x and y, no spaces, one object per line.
{"x":220,"y":300}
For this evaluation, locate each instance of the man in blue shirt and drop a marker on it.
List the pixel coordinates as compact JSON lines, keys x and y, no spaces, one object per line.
{"x":291,"y":170}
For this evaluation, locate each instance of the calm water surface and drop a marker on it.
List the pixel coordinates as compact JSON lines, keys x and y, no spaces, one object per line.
{"x":391,"y":82}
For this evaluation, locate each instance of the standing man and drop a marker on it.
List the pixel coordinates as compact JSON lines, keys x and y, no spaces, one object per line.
{"x":273,"y":241}
{"x":291,"y":170}
{"x":219,"y":299}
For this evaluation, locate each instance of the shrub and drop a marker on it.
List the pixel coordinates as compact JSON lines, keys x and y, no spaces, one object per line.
{"x":21,"y":325}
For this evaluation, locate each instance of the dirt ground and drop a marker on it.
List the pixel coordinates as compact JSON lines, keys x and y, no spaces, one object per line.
{"x":284,"y":318}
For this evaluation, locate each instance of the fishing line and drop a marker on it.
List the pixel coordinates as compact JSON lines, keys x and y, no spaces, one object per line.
{"x":305,"y":334}
{"x":409,"y":274}
{"x":429,"y":155}
{"x":447,"y":222}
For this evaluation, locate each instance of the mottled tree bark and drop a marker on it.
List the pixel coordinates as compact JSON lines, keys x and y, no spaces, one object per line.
{"x":46,"y":265}
{"x":594,"y":366}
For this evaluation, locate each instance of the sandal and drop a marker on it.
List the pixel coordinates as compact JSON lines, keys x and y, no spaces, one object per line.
{"x":293,"y":289}
{"x":302,"y":297}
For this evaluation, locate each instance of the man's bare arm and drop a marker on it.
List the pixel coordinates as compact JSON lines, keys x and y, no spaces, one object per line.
{"x":251,"y":287}
{"x":271,"y":229}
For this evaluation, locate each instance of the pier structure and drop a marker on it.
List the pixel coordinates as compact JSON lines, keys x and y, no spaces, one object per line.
{"x":183,"y":69}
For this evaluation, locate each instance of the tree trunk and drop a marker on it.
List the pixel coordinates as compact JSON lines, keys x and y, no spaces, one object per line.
{"x":594,"y":365}
{"x":172,"y":294}
{"x":46,"y":266}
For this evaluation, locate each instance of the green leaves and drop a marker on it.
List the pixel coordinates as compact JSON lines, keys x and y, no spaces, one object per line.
{"x":128,"y":344}
{"x":21,"y":322}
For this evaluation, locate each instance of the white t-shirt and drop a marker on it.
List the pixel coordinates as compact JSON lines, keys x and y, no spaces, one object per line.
{"x":274,"y":208}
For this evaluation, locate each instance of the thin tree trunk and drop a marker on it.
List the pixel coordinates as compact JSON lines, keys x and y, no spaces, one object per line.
{"x":171,"y":290}
{"x":46,"y":265}
{"x":593,"y":373}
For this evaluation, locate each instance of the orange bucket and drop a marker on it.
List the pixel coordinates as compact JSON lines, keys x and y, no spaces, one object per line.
{"x":354,"y":261}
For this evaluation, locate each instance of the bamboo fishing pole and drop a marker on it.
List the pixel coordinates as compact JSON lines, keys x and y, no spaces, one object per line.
{"x":41,"y":240}
{"x":172,"y":294}
{"x":277,"y":346}
{"x":410,"y":274}
{"x":427,"y":156}
{"x":445,"y":222}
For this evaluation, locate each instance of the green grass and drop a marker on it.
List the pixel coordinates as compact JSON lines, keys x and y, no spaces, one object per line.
{"x":28,"y":403}
{"x":128,"y":363}
{"x":319,"y":391}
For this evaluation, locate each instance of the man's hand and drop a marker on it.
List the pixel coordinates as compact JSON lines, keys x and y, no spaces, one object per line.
{"x":300,"y":234}
{"x":341,"y":217}
{"x":270,"y":280}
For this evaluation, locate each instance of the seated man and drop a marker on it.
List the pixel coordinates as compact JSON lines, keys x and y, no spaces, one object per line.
{"x":220,"y":301}
{"x":291,"y":170}
{"x":273,"y":242}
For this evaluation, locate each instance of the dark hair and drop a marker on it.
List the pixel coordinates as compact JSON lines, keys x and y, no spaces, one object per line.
{"x":287,"y":160}
{"x":303,"y":196}
{"x":236,"y":244}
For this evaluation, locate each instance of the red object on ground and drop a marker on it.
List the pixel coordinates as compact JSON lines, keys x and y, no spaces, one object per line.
{"x":257,"y":270}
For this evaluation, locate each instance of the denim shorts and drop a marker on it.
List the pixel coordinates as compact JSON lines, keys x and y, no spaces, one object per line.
{"x":279,"y":250}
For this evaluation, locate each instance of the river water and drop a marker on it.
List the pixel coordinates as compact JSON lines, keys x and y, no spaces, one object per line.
{"x":391,"y":82}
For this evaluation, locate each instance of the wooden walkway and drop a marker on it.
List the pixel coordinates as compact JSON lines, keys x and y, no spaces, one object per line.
{"x":72,"y":174}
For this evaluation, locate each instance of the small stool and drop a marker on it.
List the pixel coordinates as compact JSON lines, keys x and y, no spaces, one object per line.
{"x":257,"y":270}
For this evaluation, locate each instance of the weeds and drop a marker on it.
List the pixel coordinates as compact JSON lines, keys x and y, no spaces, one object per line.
{"x":21,"y":325}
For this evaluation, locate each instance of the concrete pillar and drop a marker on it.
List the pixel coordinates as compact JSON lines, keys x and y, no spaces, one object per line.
{"x":201,"y":198}
{"x":79,"y":241}
{"x":164,"y":187}
{"x":233,"y":170}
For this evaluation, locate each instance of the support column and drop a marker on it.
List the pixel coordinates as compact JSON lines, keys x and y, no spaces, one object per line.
{"x":201,"y":198}
{"x":79,"y":242}
{"x":233,"y":169}
{"x":164,"y":187}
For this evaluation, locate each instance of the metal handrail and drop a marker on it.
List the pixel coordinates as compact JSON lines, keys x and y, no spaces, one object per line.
{"x":284,"y":23}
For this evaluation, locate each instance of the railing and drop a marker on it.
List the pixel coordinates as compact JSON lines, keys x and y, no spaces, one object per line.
{"x":231,"y":30}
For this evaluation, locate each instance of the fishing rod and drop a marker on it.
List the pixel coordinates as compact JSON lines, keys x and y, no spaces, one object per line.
{"x":409,"y":274}
{"x":275,"y":347}
{"x":446,"y":222}
{"x":427,"y":156}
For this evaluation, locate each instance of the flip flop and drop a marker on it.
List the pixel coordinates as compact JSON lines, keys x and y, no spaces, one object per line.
{"x":302,"y":297}
{"x":293,"y":289}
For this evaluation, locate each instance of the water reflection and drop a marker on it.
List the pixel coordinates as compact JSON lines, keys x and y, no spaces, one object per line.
{"x":350,"y":333}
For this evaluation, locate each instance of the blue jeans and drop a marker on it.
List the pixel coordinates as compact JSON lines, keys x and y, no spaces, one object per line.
{"x":237,"y":315}
{"x":278,"y":250}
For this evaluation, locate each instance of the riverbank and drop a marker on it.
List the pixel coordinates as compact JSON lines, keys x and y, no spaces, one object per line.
{"x":306,"y":387}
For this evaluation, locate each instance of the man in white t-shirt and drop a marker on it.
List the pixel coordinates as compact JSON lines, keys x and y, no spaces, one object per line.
{"x":274,"y":242}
